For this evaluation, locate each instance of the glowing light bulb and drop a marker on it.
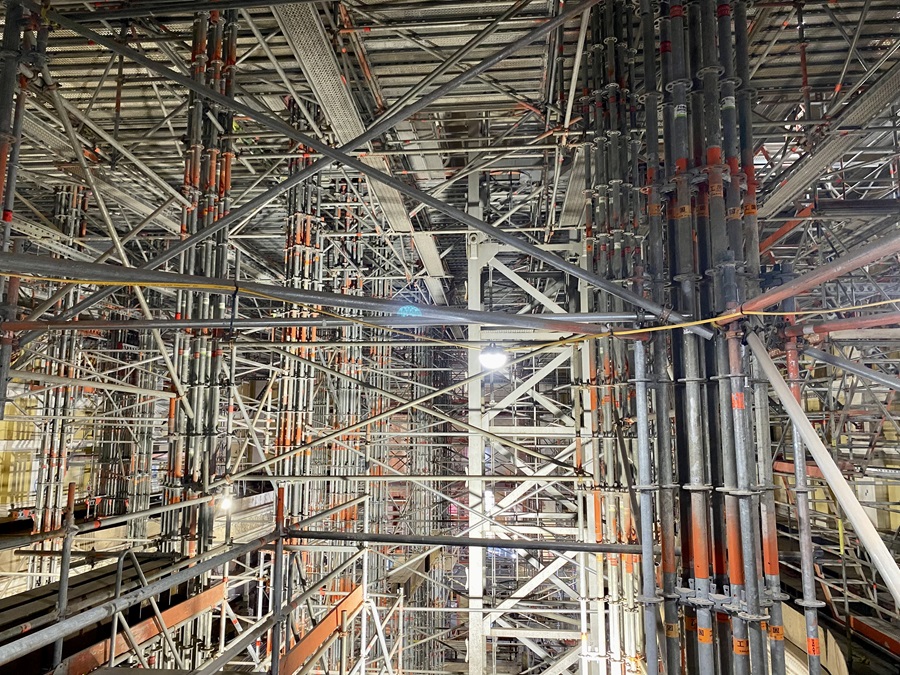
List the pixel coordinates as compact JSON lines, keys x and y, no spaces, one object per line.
{"x":493,"y":357}
{"x":226,"y":502}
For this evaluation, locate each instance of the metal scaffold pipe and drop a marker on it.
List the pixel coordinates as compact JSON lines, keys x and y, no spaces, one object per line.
{"x":26,"y":265}
{"x":275,"y":322}
{"x":649,"y":597}
{"x":476,"y":542}
{"x":808,"y":601}
{"x":884,"y":379}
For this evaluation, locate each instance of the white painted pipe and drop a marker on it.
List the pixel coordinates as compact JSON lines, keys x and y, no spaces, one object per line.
{"x":881,"y":557}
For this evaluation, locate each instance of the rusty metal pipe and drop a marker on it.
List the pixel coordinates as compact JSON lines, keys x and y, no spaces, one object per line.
{"x":852,"y":323}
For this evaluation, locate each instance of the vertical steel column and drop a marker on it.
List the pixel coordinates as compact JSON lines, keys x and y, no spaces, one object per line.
{"x":9,"y":288}
{"x":751,"y":260}
{"x":728,"y":459}
{"x":747,"y":148}
{"x":739,"y":648}
{"x":657,"y":257}
{"x":746,"y":473}
{"x":477,"y":648}
{"x":686,"y":275}
{"x":9,"y":71}
{"x":730,"y":139}
{"x":597,"y":615}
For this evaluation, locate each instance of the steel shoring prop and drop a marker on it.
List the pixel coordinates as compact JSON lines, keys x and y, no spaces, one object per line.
{"x":808,"y":600}
{"x":720,"y":241}
{"x":747,"y":150}
{"x":700,"y":650}
{"x":659,"y":343}
{"x":10,"y":151}
{"x":649,"y":596}
{"x":341,"y":156}
{"x":739,"y":542}
{"x":882,"y":558}
{"x":746,"y":472}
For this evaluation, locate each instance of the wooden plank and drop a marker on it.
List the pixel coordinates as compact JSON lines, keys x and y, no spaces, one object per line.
{"x":294,"y":659}
{"x":878,"y":631}
{"x":97,"y":655}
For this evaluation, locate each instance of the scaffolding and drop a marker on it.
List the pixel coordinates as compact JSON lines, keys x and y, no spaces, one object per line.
{"x":255,"y":254}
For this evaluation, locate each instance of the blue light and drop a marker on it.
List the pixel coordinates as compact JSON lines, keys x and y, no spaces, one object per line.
{"x":409,"y":310}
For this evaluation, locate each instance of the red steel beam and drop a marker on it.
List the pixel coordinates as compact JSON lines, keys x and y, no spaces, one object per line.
{"x":849,"y":262}
{"x":97,"y":655}
{"x":309,"y":644}
{"x":785,"y":229}
{"x":852,"y":323}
